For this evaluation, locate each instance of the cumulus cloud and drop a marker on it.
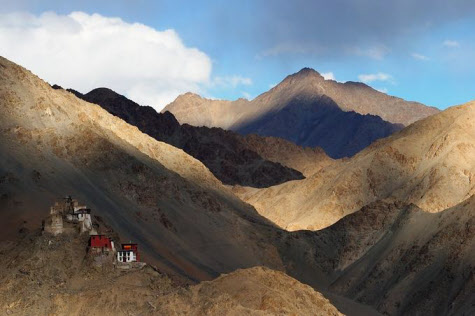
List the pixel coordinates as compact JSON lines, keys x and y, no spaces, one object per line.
{"x":419,"y":56}
{"x":450,"y":43}
{"x":328,"y":76}
{"x":84,"y":51}
{"x":367,"y":78}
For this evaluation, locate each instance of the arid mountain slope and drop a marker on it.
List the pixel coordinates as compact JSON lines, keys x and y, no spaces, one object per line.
{"x":221,"y":151}
{"x":398,"y":258}
{"x":255,"y":291}
{"x":53,"y":144}
{"x":47,"y":275}
{"x":428,"y":163}
{"x":308,"y":110}
{"x":304,"y":159}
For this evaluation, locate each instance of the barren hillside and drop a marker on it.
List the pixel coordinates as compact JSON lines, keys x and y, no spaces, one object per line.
{"x":54,"y":144}
{"x":428,"y":164}
{"x":398,"y":258}
{"x":48,"y":275}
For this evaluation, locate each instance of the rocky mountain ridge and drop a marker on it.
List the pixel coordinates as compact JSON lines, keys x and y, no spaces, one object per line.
{"x":342,"y":118}
{"x":221,"y":151}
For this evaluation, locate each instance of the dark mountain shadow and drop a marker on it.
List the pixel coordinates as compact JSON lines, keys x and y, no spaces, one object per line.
{"x":223,"y":152}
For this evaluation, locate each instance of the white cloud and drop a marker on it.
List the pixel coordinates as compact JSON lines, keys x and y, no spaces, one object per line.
{"x":83,"y":52}
{"x":328,"y":76}
{"x":419,"y":56}
{"x":231,"y":81}
{"x":366,"y":78}
{"x":382,"y":90}
{"x":450,"y":43}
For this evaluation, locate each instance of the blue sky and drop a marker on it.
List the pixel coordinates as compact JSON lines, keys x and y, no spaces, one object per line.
{"x":417,"y":50}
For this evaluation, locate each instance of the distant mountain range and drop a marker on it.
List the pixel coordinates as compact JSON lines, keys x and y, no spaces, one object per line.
{"x":341,"y":118}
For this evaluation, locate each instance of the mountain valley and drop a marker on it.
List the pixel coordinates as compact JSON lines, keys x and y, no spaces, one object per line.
{"x":427,"y":163}
{"x":388,"y":231}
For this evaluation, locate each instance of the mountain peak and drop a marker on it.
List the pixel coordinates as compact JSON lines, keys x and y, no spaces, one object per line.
{"x":187,"y":97}
{"x":303,"y":75}
{"x":104,"y":92}
{"x":190,"y":95}
{"x":305,"y":72}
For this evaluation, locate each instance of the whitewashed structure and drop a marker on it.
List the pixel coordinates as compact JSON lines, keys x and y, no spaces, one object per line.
{"x":126,"y":256}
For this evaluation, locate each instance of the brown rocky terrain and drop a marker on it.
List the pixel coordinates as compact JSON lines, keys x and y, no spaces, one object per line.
{"x":398,"y":258}
{"x":254,"y":291}
{"x":223,"y":152}
{"x":54,"y":275}
{"x":390,"y":255}
{"x":427,"y":163}
{"x":309,"y":111}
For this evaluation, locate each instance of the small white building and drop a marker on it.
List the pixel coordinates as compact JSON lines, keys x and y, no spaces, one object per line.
{"x":126,"y":256}
{"x":128,"y":253}
{"x":79,"y":215}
